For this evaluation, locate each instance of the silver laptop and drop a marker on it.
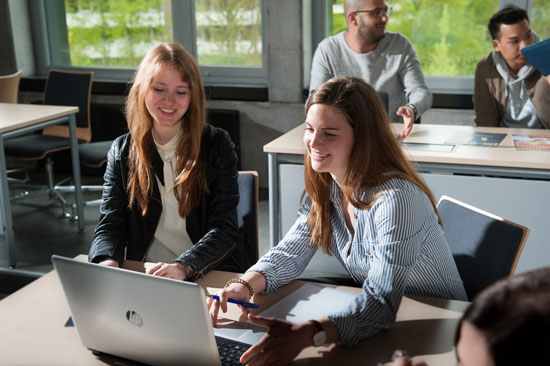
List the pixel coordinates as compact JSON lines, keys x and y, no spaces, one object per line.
{"x":145,"y":318}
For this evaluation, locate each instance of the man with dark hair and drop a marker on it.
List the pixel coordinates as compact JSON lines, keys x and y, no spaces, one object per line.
{"x":508,"y":91}
{"x":386,"y":60}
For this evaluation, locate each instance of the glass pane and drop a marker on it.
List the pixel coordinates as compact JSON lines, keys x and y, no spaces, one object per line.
{"x":450,"y":36}
{"x":115,"y":33}
{"x":540,"y":18}
{"x":229,"y":32}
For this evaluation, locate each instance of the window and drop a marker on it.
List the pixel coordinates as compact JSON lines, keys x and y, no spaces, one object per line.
{"x":540,"y":16}
{"x":450,"y":37}
{"x":112,"y":36}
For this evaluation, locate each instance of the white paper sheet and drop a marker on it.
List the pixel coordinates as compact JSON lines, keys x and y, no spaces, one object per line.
{"x":310,"y":301}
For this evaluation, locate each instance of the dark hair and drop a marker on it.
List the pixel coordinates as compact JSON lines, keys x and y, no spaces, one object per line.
{"x":514,"y":316}
{"x":510,"y":14}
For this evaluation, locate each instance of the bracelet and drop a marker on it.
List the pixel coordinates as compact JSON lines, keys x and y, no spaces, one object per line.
{"x":413,"y":107}
{"x":242,"y":282}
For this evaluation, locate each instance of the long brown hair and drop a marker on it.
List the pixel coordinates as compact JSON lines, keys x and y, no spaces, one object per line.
{"x":375,"y":156}
{"x":191,"y":180}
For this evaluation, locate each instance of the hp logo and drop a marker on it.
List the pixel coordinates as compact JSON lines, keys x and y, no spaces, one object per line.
{"x":134,"y":318}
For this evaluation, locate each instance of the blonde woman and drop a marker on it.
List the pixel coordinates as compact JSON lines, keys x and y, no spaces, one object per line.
{"x":170,"y":191}
{"x":369,"y":208}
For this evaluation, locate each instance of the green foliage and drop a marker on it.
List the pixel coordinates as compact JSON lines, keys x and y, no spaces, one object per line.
{"x":109,"y":33}
{"x":540,"y":15}
{"x":118,"y":33}
{"x":450,"y":36}
{"x":229,"y":32}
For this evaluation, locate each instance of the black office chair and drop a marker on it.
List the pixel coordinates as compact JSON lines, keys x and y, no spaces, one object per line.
{"x":384,"y":97}
{"x":485,"y":247}
{"x":92,"y":155}
{"x":68,"y":88}
{"x":247,"y":211}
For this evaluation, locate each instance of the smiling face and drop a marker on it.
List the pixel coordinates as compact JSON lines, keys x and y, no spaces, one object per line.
{"x":328,"y":139}
{"x":167,"y":100}
{"x":371,"y":28}
{"x":513,"y":37}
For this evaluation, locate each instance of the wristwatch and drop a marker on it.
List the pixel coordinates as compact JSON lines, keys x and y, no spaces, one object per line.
{"x":319,"y":334}
{"x":415,"y":111}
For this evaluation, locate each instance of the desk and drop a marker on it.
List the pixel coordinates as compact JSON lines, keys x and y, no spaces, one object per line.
{"x":514,"y":183}
{"x":21,"y":119}
{"x":32,"y":330}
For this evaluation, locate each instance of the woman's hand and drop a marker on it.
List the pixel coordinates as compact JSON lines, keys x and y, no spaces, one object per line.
{"x":177,"y":271}
{"x":109,"y":263}
{"x":281,"y":344}
{"x":406,"y":361}
{"x":235,"y":291}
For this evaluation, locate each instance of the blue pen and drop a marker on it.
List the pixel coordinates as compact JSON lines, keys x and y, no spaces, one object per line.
{"x":238,"y":302}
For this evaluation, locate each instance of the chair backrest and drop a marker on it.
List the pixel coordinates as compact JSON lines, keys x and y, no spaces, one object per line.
{"x":9,"y":87}
{"x":385,"y":99}
{"x":70,"y":88}
{"x":247,"y":211}
{"x":485,"y":247}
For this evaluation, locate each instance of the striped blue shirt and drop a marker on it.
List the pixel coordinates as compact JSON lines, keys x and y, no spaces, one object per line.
{"x":398,"y":248}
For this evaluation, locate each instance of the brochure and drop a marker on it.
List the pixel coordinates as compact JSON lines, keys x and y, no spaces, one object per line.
{"x":531,"y":142}
{"x":476,"y":138}
{"x":538,"y":55}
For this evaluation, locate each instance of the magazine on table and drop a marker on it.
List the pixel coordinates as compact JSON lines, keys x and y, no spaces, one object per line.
{"x":531,"y":142}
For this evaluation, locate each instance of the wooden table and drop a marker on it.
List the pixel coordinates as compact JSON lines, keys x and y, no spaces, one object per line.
{"x":21,"y":119}
{"x":33,"y":331}
{"x":502,"y":180}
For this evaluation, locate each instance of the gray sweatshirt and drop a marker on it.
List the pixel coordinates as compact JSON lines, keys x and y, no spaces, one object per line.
{"x":392,"y":68}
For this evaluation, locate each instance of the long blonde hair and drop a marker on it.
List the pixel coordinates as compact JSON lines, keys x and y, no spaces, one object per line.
{"x":375,"y":156}
{"x":191,"y":180}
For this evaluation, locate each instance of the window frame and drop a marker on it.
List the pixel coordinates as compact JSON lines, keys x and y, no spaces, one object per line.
{"x":48,"y":30}
{"x":436,"y":84}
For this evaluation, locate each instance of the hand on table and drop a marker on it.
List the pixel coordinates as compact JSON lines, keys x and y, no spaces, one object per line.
{"x":235,"y":291}
{"x":177,"y":271}
{"x":109,"y":263}
{"x":281,"y":344}
{"x":408,"y":120}
{"x":406,"y":361}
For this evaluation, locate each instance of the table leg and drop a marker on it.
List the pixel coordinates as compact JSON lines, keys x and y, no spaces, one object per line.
{"x":76,"y":173}
{"x":273,"y":172}
{"x":6,"y":207}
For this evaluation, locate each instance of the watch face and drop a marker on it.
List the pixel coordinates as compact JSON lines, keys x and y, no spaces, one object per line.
{"x":319,"y":338}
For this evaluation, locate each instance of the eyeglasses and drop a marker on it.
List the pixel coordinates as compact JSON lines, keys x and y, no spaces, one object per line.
{"x":378,"y":12}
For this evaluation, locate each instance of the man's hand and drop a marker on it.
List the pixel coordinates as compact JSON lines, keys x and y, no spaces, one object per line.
{"x":408,"y":119}
{"x":281,"y":344}
{"x":177,"y":271}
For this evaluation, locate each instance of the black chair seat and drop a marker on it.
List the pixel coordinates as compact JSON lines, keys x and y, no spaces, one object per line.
{"x":35,"y":146}
{"x":94,"y":154}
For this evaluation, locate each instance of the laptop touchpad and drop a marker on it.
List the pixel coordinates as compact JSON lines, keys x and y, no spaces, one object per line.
{"x":239,"y":331}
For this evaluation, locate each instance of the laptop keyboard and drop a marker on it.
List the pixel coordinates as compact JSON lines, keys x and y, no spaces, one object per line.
{"x":230,"y":351}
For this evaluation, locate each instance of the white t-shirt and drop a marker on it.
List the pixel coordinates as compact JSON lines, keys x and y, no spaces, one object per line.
{"x":171,"y":238}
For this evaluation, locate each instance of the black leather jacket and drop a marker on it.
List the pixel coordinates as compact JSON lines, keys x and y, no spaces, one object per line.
{"x":212,"y":225}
